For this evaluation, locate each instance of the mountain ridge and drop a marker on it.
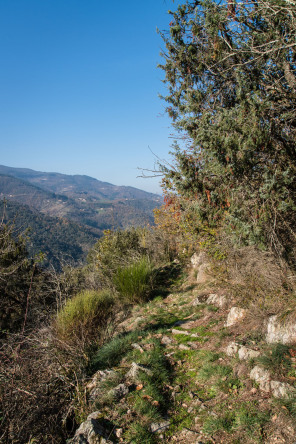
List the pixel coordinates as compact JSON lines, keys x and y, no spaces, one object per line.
{"x":80,"y":181}
{"x":86,"y":203}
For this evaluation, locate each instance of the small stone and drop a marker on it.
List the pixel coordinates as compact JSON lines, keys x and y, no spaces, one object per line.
{"x":235,"y":315}
{"x":148,"y":346}
{"x":137,"y":347}
{"x":158,"y":427}
{"x":281,"y":389}
{"x":120,"y":391}
{"x":253,"y":391}
{"x":134,"y":371}
{"x":118,"y":433}
{"x":215,"y":299}
{"x":166,"y":340}
{"x":184,"y":347}
{"x":232,"y":349}
{"x":245,"y":353}
{"x":180,"y":332}
{"x":262,"y":377}
{"x":91,"y":431}
{"x":99,"y":376}
{"x":190,"y":410}
{"x":193,"y":345}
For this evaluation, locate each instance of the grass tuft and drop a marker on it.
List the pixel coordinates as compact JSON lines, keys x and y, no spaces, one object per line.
{"x":134,"y":282}
{"x":85,"y":316}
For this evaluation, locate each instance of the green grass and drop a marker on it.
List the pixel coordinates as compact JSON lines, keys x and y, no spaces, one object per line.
{"x":134,"y":282}
{"x":209,"y":370}
{"x":289,"y":405}
{"x":85,"y":315}
{"x":249,"y":419}
{"x":277,"y":359}
{"x":140,"y":434}
{"x":111,"y":353}
{"x":215,"y":424}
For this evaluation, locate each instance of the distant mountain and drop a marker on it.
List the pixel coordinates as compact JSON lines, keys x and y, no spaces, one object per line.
{"x":78,"y":186}
{"x":83,"y":203}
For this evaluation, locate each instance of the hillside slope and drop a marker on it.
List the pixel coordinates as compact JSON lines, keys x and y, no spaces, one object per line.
{"x":195,"y":367}
{"x":58,"y":239}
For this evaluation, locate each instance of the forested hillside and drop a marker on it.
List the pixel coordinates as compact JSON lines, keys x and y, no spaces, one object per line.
{"x":59,"y":240}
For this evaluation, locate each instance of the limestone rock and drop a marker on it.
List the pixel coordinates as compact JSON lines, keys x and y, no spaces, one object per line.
{"x":158,"y":427}
{"x":119,"y":391}
{"x":235,"y":315}
{"x":134,"y":371}
{"x":201,"y":264}
{"x":196,"y":302}
{"x":183,"y":347}
{"x":202,"y":275}
{"x":281,"y":389}
{"x":278,"y":331}
{"x":215,"y":299}
{"x":247,"y":353}
{"x":232,"y":349}
{"x":94,"y":385}
{"x":198,"y":259}
{"x":91,"y":432}
{"x":180,"y":332}
{"x":99,"y":376}
{"x":137,"y":347}
{"x":262,"y":377}
{"x":166,"y":340}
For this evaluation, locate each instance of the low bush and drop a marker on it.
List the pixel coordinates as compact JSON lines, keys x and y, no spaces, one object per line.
{"x":84,"y":318}
{"x":135,"y":281}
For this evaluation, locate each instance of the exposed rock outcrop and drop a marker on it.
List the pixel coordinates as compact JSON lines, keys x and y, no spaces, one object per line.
{"x":92,"y":431}
{"x":235,"y":315}
{"x":280,"y":331}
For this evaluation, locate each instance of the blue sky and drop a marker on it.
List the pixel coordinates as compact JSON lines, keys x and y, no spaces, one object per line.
{"x":79,"y":87}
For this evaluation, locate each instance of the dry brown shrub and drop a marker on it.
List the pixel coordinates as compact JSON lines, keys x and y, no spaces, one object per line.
{"x":34,"y":397}
{"x":259,"y":280}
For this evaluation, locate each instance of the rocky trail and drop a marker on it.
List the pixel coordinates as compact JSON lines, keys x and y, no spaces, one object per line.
{"x":194,"y":367}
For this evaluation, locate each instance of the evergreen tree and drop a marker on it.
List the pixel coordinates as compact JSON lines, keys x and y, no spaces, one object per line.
{"x":230,"y":70}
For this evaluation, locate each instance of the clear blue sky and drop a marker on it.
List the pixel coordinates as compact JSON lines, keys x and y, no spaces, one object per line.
{"x":79,"y":87}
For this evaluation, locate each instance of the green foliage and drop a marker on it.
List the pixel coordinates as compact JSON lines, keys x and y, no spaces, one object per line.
{"x":250,"y":419}
{"x":215,"y":424}
{"x":277,"y":359}
{"x":85,"y":317}
{"x":139,"y":433}
{"x":135,"y":281}
{"x":116,"y":249}
{"x":246,"y":418}
{"x":231,"y":76}
{"x":289,"y":405}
